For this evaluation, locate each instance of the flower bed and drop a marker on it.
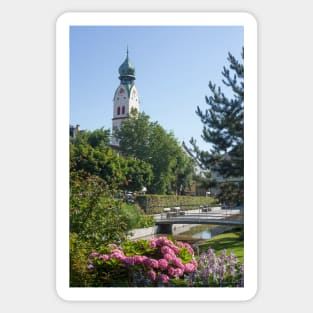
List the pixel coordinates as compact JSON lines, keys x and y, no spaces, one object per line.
{"x":161,"y":262}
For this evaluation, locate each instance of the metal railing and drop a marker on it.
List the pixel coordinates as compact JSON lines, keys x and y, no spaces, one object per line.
{"x":202,"y":215}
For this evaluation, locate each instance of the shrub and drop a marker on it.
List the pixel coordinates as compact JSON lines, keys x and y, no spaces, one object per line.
{"x":143,"y":263}
{"x":134,"y":217}
{"x":154,"y":204}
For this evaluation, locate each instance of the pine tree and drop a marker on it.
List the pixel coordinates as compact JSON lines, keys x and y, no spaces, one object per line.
{"x":223,"y":128}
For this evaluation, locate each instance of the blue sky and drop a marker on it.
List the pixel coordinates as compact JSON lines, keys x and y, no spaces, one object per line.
{"x":173,"y":68}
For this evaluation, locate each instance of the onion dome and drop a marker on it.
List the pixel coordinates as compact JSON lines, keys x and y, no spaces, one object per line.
{"x":127,"y":70}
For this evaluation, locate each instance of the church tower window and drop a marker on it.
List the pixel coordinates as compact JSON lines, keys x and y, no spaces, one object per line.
{"x":118,"y":111}
{"x":123,"y":110}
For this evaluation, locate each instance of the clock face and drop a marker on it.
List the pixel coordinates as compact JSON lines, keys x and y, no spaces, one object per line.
{"x":134,"y":93}
{"x":121,"y":91}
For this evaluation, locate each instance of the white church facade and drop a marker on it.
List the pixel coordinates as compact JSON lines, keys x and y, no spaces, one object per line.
{"x":125,"y":97}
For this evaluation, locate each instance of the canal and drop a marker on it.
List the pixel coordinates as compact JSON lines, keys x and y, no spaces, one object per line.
{"x":197,"y":232}
{"x":184,"y":232}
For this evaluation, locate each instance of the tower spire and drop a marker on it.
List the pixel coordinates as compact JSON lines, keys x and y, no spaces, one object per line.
{"x":125,"y":97}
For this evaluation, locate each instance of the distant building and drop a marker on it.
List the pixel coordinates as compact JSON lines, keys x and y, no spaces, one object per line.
{"x":74,"y":130}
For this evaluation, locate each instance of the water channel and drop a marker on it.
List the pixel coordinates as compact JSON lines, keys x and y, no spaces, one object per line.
{"x":197,"y":232}
{"x":191,"y":233}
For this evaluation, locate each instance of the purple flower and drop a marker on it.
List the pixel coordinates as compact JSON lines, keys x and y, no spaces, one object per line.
{"x":164,"y":278}
{"x":151,"y":263}
{"x":232,"y":270}
{"x":128,"y":260}
{"x":90,"y":267}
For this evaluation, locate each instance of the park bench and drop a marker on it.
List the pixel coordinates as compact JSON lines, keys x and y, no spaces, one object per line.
{"x":205,"y":209}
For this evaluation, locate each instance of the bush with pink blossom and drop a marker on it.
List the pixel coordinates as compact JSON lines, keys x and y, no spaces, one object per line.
{"x":143,"y":263}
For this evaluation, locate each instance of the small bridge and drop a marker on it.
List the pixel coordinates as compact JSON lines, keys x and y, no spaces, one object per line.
{"x":217,"y":217}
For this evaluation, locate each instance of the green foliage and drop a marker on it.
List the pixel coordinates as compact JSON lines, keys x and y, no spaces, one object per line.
{"x":138,"y":174}
{"x":99,"y":161}
{"x":232,"y":240}
{"x":90,"y":154}
{"x":94,"y":215}
{"x":223,"y":122}
{"x":135,"y":217}
{"x":96,"y":138}
{"x":153,"y":204}
{"x":149,"y":142}
{"x":96,"y":219}
{"x":79,"y":252}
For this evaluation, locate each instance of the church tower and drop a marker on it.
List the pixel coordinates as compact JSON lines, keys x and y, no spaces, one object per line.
{"x":125,"y":97}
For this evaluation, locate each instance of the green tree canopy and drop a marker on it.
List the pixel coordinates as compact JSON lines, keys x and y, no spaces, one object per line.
{"x":150,"y":142}
{"x":89,"y":154}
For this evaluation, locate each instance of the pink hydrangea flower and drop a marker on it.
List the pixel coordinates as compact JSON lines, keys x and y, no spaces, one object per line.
{"x":168,"y":257}
{"x":194,"y":262}
{"x":167,"y":249}
{"x":93,"y":255}
{"x":175,"y":249}
{"x":189,"y":268}
{"x":154,"y":263}
{"x":163,"y":264}
{"x":189,"y":248}
{"x":175,"y":272}
{"x":171,"y":271}
{"x":180,"y":244}
{"x":139,"y":259}
{"x":117,"y":254}
{"x":152,"y":274}
{"x":162,"y":241}
{"x":104,"y":257}
{"x":178,"y":263}
{"x":179,"y":272}
{"x":152,"y":244}
{"x":151,"y":263}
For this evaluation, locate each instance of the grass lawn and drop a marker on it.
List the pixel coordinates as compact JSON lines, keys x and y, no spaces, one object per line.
{"x":232,"y":241}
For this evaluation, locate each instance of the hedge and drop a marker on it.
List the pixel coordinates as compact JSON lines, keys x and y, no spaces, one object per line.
{"x":153,"y":204}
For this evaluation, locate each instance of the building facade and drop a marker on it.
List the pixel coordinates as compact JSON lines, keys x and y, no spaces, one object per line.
{"x":125,"y":97}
